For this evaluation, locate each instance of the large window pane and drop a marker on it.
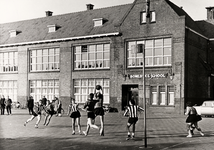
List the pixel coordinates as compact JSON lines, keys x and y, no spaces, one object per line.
{"x":8,"y":62}
{"x":44,"y":59}
{"x":157,"y":52}
{"x":94,"y":57}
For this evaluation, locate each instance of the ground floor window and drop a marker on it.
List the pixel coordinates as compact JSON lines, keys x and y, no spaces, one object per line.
{"x":9,"y":88}
{"x":83,"y":87}
{"x":162,"y":95}
{"x":47,"y":88}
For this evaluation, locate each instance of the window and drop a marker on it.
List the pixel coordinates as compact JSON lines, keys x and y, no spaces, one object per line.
{"x":51,"y":28}
{"x":44,"y":59}
{"x":82,"y":88}
{"x":98,"y":22}
{"x":47,"y":88}
{"x":162,"y":95}
{"x":157,"y":53}
{"x":8,"y":62}
{"x":92,"y":56}
{"x":143,"y":17}
{"x":153,"y":17}
{"x":9,"y":88}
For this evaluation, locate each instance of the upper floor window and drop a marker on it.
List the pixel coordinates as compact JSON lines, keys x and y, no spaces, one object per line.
{"x":44,"y":59}
{"x":8,"y":62}
{"x":157,"y":53}
{"x":152,"y":17}
{"x":92,"y":56}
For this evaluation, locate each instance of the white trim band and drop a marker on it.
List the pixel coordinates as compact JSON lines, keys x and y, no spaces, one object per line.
{"x":61,"y":40}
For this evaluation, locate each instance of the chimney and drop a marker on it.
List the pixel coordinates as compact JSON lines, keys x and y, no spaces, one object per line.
{"x":48,"y":13}
{"x":90,"y":6}
{"x":210,"y":13}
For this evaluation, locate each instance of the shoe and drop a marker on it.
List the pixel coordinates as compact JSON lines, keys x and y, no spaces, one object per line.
{"x":128,"y":138}
{"x":25,"y":123}
{"x":36,"y":126}
{"x":189,"y":135}
{"x":73,"y":133}
{"x":133,"y":136}
{"x":202,"y":134}
{"x":84,"y":133}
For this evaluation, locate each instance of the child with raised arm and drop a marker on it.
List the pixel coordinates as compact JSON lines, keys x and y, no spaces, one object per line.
{"x":98,"y":108}
{"x":132,"y":112}
{"x":75,"y":115}
{"x":89,"y":106}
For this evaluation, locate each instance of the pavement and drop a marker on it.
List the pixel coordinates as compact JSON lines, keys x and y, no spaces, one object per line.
{"x":163,"y":132}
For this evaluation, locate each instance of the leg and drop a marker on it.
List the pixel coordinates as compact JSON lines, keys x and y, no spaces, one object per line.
{"x":189,"y":129}
{"x":46,"y":117}
{"x":102,"y":125}
{"x":49,"y":119}
{"x":30,"y":119}
{"x":89,"y":122}
{"x":78,"y":124}
{"x":38,"y":121}
{"x":199,"y":129}
{"x":133,"y":130}
{"x":73,"y":125}
{"x":7,"y":108}
{"x":129,"y":132}
{"x":10,"y":109}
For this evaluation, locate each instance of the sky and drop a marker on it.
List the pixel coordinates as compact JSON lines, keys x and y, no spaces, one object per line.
{"x":18,"y":10}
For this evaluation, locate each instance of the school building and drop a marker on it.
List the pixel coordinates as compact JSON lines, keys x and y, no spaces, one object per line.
{"x":67,"y":55}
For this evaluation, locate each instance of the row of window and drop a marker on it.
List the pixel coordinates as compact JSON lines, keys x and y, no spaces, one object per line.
{"x":158,"y":52}
{"x":159,"y":95}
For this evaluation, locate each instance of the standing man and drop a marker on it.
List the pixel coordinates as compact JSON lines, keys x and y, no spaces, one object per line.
{"x":8,"y":105}
{"x":2,"y":102}
{"x":44,"y":101}
{"x":30,"y":105}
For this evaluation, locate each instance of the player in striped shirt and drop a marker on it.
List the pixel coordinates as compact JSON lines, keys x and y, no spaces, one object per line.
{"x":132,"y":112}
{"x":75,"y":115}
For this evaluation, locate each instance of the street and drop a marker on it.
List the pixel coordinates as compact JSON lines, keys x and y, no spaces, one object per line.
{"x":163,"y":133}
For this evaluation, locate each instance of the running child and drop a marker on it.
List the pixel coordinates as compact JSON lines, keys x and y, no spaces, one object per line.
{"x":37,"y":111}
{"x":89,"y":106}
{"x":132,"y":112}
{"x":49,"y":112}
{"x":75,"y":115}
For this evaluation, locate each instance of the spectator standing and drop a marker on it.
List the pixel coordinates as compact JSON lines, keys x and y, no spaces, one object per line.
{"x":2,"y":101}
{"x":8,"y":105}
{"x":30,"y":105}
{"x":44,"y":101}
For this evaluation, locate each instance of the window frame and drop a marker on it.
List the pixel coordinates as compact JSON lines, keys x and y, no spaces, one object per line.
{"x":49,"y":60}
{"x":92,"y":59}
{"x":86,"y":86}
{"x":9,"y":68}
{"x":135,"y":60}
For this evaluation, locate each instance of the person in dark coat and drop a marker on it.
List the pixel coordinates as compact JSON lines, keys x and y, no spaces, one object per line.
{"x":8,"y":105}
{"x":2,"y":102}
{"x":30,"y":105}
{"x":44,"y":101}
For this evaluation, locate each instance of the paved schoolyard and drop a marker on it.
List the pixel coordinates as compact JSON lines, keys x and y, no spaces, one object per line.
{"x":164,"y":132}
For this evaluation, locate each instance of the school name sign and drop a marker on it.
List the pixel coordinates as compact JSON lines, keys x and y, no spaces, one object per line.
{"x":159,"y":75}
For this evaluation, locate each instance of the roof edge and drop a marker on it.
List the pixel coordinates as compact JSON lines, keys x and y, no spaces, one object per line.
{"x":61,"y":39}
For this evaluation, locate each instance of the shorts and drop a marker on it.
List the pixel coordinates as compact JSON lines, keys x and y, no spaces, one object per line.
{"x":132,"y":120}
{"x":35,"y":114}
{"x":75,"y":114}
{"x":99,"y":111}
{"x":91,"y":115}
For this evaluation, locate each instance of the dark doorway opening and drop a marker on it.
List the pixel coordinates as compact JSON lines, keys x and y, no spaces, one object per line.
{"x":127,"y":92}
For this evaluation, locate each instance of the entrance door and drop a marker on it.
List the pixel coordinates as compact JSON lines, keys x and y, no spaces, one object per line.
{"x":129,"y":91}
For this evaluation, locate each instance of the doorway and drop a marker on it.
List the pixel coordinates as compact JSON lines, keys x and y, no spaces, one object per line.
{"x":127,"y":92}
